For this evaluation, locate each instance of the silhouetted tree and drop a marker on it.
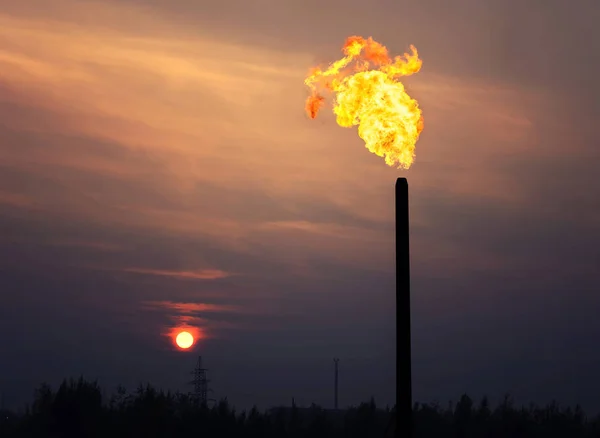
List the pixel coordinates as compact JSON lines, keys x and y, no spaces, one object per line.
{"x":78,"y":409}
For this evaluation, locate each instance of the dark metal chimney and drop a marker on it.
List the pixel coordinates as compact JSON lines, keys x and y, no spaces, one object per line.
{"x":403,"y":336}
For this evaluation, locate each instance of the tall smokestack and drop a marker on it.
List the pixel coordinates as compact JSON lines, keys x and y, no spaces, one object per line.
{"x":403,"y":348}
{"x":335,"y":399}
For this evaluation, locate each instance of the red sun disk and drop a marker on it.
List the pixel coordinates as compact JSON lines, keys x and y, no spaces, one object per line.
{"x":184,"y":340}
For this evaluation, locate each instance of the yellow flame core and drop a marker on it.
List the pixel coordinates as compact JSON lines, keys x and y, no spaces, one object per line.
{"x":369,"y":95}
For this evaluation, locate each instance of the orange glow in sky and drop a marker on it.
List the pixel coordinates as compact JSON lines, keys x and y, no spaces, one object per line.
{"x":184,"y":336}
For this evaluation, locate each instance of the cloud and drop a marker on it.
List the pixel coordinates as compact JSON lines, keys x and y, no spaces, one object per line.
{"x":16,"y":200}
{"x":191,"y":308}
{"x":100,"y":246}
{"x":127,"y":128}
{"x":130,"y":140}
{"x":202,"y":320}
{"x":202,"y":274}
{"x":144,"y":125}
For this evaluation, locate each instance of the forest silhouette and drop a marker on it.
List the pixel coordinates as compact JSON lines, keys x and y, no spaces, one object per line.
{"x":79,"y":409}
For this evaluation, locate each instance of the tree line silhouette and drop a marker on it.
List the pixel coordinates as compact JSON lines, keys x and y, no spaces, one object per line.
{"x":79,"y":409}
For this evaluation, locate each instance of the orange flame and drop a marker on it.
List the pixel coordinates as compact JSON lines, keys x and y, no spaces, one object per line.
{"x":369,"y":95}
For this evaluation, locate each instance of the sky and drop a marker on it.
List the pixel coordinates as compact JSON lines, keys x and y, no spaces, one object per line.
{"x":158,"y":169}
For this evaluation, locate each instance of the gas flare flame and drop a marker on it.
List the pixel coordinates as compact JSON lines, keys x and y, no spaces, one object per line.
{"x":367,"y":93}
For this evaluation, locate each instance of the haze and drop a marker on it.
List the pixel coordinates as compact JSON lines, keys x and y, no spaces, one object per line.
{"x":157,"y":168}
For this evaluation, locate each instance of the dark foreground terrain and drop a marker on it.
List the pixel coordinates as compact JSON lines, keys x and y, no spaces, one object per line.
{"x":78,"y":409}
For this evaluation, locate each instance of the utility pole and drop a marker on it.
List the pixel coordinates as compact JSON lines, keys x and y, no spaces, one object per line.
{"x":335,"y":400}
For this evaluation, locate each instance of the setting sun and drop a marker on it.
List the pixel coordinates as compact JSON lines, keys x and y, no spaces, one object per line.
{"x":184,"y":340}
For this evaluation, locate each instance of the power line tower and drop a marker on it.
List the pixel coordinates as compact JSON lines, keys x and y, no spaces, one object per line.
{"x":200,"y":383}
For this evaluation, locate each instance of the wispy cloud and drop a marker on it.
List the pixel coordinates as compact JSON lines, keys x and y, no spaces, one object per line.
{"x":202,"y":274}
{"x":100,"y":246}
{"x":192,"y":317}
{"x":16,"y":200}
{"x":139,"y":126}
{"x":187,"y":308}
